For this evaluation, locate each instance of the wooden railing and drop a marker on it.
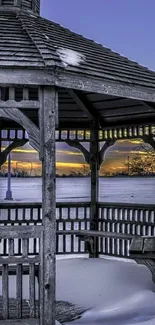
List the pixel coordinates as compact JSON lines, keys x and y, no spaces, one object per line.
{"x":134,"y":219}
{"x":21,"y":253}
{"x":69,"y":216}
{"x":17,"y":307}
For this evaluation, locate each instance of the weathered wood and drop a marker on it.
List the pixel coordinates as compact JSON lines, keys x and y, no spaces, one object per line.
{"x":104,"y":149}
{"x":16,"y":115}
{"x":24,"y":104}
{"x":94,"y":166}
{"x":149,"y":263}
{"x":76,"y":144}
{"x":41,"y":280}
{"x":70,"y":80}
{"x":11,"y":247}
{"x":94,"y":233}
{"x":21,"y":260}
{"x":149,"y":245}
{"x":19,"y":291}
{"x":5,"y":292}
{"x":103,"y":86}
{"x":144,"y":248}
{"x":136,"y":245}
{"x":15,"y":144}
{"x":32,"y":289}
{"x":29,"y":77}
{"x":21,"y":232}
{"x":25,"y":247}
{"x":49,"y":202}
{"x":149,"y":139}
{"x":83,"y":104}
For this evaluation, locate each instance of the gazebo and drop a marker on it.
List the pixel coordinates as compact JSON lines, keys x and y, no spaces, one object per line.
{"x":56,"y":85}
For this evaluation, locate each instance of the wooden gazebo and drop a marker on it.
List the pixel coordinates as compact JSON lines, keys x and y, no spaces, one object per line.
{"x":56,"y":85}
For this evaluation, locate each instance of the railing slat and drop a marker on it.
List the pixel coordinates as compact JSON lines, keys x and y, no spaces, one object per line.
{"x":5,"y":291}
{"x":19,"y":291}
{"x":32,"y":289}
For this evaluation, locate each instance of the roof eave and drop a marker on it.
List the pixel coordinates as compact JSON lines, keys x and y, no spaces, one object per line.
{"x":61,"y":78}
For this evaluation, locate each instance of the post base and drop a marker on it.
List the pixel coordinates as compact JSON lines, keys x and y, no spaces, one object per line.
{"x":8,"y":195}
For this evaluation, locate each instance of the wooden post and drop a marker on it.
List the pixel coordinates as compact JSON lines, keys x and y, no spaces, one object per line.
{"x":0,"y":145}
{"x":94,"y":165}
{"x":48,"y":111}
{"x":9,"y":192}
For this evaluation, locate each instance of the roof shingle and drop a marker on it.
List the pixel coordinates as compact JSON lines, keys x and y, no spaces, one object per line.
{"x":29,"y":40}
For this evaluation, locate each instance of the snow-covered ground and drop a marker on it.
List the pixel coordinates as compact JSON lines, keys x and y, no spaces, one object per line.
{"x":114,"y":292}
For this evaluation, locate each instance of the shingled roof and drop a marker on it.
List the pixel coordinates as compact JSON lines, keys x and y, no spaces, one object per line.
{"x":27,"y":40}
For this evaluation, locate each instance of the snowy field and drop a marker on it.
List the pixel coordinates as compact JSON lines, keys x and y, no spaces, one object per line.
{"x":112,"y":292}
{"x":133,"y":190}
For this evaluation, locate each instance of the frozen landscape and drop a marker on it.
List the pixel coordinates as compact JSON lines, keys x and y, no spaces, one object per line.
{"x":133,"y":190}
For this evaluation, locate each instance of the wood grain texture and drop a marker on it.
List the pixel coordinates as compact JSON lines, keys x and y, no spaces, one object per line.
{"x":94,"y":167}
{"x":16,"y":115}
{"x":14,"y":144}
{"x":49,"y":108}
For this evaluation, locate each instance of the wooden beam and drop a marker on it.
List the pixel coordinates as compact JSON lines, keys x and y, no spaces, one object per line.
{"x":16,"y":115}
{"x":149,"y":139}
{"x":104,"y":86}
{"x":23,"y":104}
{"x":104,"y":149}
{"x":150,"y":106}
{"x":94,"y":151}
{"x":86,"y":107}
{"x":15,"y":144}
{"x":23,"y":77}
{"x":70,"y":80}
{"x":76,"y":144}
{"x":47,"y":123}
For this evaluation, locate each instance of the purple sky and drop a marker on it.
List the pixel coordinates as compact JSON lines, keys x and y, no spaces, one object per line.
{"x":125,"y":26}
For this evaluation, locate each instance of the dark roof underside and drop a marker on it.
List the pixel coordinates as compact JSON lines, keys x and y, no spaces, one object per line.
{"x":110,"y":111}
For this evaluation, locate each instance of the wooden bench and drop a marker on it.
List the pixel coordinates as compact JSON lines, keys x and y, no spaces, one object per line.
{"x":89,"y":236}
{"x":142,"y":248}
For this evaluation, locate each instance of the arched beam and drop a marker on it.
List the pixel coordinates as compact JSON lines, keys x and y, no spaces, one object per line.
{"x":33,"y":131}
{"x":76,"y":144}
{"x":149,"y":139}
{"x":13,"y":145}
{"x":101,"y":154}
{"x":104,"y":149}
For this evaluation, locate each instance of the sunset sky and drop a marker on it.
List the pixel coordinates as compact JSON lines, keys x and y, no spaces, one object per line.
{"x":71,"y":160}
{"x":126,"y":27}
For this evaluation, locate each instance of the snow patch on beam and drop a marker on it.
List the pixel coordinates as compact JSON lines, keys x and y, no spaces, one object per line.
{"x":70,"y":57}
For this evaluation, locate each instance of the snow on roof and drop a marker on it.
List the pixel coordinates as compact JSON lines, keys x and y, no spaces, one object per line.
{"x":70,"y":57}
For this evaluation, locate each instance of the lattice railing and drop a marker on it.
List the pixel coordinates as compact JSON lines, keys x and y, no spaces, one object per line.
{"x":69,"y":216}
{"x":133,"y":219}
{"x":84,"y":135}
{"x":12,"y":303}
